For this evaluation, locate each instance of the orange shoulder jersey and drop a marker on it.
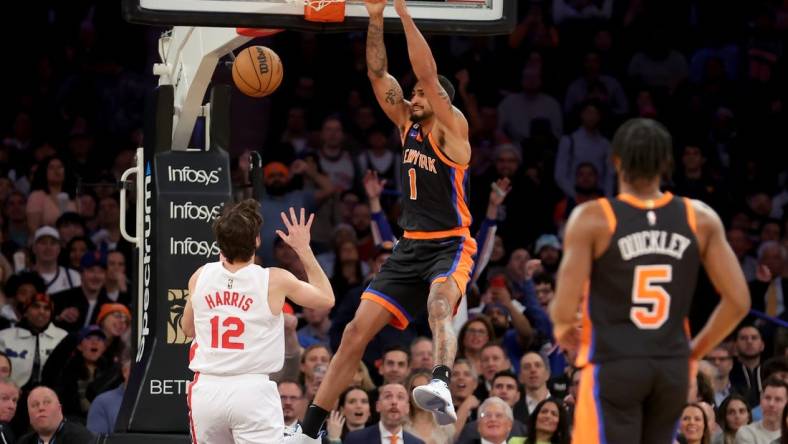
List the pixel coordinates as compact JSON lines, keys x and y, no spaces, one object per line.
{"x":641,"y":287}
{"x":435,"y":194}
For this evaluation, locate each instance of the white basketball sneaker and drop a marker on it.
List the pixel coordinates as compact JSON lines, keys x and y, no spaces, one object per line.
{"x":435,"y":397}
{"x":297,"y":437}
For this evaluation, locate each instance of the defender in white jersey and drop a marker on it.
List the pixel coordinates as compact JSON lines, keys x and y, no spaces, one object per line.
{"x":234,"y":313}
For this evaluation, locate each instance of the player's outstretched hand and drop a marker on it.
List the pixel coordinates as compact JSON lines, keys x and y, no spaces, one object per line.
{"x":375,"y":7}
{"x":569,"y":339}
{"x":401,"y":7}
{"x":298,"y":230}
{"x":372,"y":185}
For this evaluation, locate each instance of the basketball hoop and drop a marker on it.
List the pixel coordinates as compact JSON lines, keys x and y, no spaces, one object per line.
{"x":327,"y":11}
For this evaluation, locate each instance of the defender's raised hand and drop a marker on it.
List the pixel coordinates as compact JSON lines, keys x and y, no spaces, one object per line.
{"x":298,"y":230}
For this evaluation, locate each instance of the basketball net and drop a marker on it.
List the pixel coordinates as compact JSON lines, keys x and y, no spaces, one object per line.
{"x":330,"y":11}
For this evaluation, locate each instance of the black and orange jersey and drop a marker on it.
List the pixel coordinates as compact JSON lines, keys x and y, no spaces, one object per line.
{"x":435,"y":189}
{"x":641,"y":287}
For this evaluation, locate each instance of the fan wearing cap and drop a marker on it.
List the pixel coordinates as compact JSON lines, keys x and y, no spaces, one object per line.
{"x":280,"y":195}
{"x":87,"y":373}
{"x":46,"y":249}
{"x":79,"y":306}
{"x":29,"y":344}
{"x":548,"y":249}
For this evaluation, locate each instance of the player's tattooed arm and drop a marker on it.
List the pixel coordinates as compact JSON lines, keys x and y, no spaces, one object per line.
{"x":377,"y":61}
{"x":394,"y":95}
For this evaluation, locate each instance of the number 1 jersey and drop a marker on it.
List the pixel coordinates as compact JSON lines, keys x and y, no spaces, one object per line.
{"x":435,"y":189}
{"x":641,"y":287}
{"x":235,"y":331}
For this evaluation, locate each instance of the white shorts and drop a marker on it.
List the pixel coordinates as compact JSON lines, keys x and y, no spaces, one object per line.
{"x":242,"y":409}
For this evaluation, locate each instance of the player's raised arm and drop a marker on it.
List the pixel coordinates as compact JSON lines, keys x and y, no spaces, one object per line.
{"x":317,"y":293}
{"x":426,"y":70}
{"x":726,"y":274}
{"x":387,"y":89}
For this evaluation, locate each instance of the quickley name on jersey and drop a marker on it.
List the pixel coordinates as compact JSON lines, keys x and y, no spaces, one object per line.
{"x":641,"y":287}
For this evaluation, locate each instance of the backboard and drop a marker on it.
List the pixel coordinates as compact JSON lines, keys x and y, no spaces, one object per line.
{"x":456,"y":17}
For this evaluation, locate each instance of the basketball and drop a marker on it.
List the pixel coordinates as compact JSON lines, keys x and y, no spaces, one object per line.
{"x":257,"y":71}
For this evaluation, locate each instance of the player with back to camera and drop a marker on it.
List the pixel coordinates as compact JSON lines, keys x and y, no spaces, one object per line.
{"x":430,"y":266}
{"x":234,"y":313}
{"x":640,"y":254}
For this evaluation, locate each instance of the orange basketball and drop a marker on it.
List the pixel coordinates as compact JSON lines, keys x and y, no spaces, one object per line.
{"x":257,"y":71}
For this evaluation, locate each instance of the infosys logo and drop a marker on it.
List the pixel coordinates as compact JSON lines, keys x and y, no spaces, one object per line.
{"x":191,"y":247}
{"x":188,"y":174}
{"x":191,"y":211}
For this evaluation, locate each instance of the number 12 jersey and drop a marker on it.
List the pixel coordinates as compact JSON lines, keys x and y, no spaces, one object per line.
{"x":235,"y":331}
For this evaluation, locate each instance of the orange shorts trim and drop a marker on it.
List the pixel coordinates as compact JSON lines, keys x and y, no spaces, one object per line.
{"x":400,"y":320}
{"x":427,"y":235}
{"x":463,"y":264}
{"x":589,"y":428}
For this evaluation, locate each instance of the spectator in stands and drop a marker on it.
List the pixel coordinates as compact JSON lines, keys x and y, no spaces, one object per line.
{"x":16,"y":229}
{"x":771,"y":284}
{"x":586,"y":187}
{"x":103,"y":412}
{"x":494,"y":425}
{"x":393,"y":407}
{"x":493,"y":360}
{"x":534,"y":374}
{"x":313,"y":356}
{"x":772,"y":402}
{"x":87,"y":204}
{"x":720,"y":357}
{"x":49,"y":426}
{"x":69,"y":225}
{"x":79,"y":307}
{"x":657,"y":65}
{"x":585,"y":144}
{"x":29,"y":344}
{"x":316,"y":329}
{"x":693,"y":425}
{"x":5,"y":366}
{"x":462,"y":385}
{"x":86,"y":374}
{"x":741,"y":246}
{"x":578,"y":90}
{"x":421,"y":423}
{"x":108,"y":235}
{"x":545,"y":288}
{"x":505,"y":386}
{"x":581,"y":10}
{"x":549,"y":422}
{"x":334,"y":157}
{"x":46,"y":248}
{"x":52,"y":194}
{"x":548,"y":250}
{"x":279,"y":197}
{"x":117,"y":283}
{"x":353,"y":414}
{"x":746,"y":374}
{"x":516,"y":112}
{"x":348,"y":269}
{"x":291,"y":393}
{"x":472,"y":337}
{"x":421,"y":355}
{"x":395,"y":364}
{"x":694,"y":180}
{"x":71,"y":256}
{"x":733,"y":414}
{"x":9,"y":396}
{"x":381,"y":159}
{"x":19,"y":291}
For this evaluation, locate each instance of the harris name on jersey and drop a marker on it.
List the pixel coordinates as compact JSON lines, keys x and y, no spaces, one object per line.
{"x":229,"y":298}
{"x":653,"y":242}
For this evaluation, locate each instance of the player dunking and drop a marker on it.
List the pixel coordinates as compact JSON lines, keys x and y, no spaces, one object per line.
{"x":430,"y":266}
{"x":641,"y":253}
{"x":234,"y":314}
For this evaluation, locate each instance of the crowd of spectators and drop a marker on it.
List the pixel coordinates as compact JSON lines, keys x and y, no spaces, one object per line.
{"x":542,"y":104}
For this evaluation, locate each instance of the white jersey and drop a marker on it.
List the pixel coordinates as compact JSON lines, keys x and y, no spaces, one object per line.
{"x":235,"y":331}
